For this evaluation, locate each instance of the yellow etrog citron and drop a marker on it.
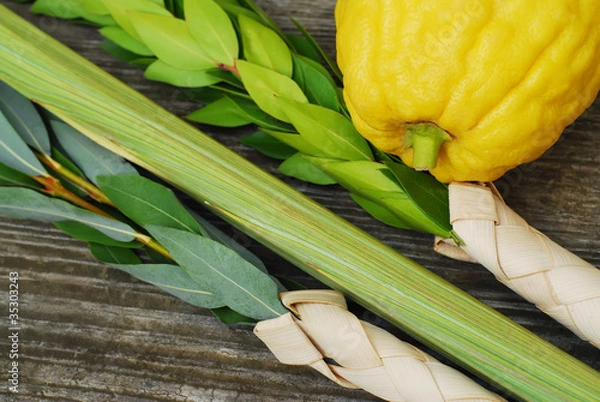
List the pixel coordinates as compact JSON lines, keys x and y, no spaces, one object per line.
{"x":502,"y":79}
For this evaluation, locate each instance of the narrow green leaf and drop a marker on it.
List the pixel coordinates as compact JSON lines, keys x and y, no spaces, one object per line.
{"x":234,"y":10}
{"x":228,"y":316}
{"x":304,"y":47}
{"x":113,"y":255}
{"x":332,"y":65}
{"x":257,"y":116}
{"x":267,"y":86}
{"x":60,"y":157}
{"x":12,"y":177}
{"x":297,"y":142}
{"x":176,"y":281}
{"x":426,"y":192}
{"x":171,"y":41}
{"x":83,"y":232}
{"x":268,"y":145}
{"x":316,"y":83}
{"x":126,"y":41}
{"x":67,"y":9}
{"x":379,"y":212}
{"x":24,"y":118}
{"x":147,"y":203}
{"x":15,"y":153}
{"x":223,"y":112}
{"x":327,"y":130}
{"x":24,"y":203}
{"x":212,"y":29}
{"x":121,"y":11}
{"x":300,"y":168}
{"x":170,"y":278}
{"x":94,"y":7}
{"x":228,"y":78}
{"x":239,"y":284}
{"x":360,"y":176}
{"x":216,"y":234}
{"x":91,"y":158}
{"x":122,"y":54}
{"x":264,"y":47}
{"x":99,"y":20}
{"x":162,"y":72}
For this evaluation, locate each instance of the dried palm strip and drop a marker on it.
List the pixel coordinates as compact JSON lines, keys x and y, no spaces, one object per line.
{"x":558,"y":282}
{"x":323,"y":334}
{"x":316,"y":240}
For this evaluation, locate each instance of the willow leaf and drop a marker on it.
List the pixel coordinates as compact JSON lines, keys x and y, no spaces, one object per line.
{"x":301,"y":168}
{"x":12,"y":177}
{"x":123,"y":39}
{"x":162,"y":72}
{"x":264,"y":47}
{"x":327,"y":130}
{"x":24,"y":203}
{"x":24,"y":118}
{"x":212,"y":29}
{"x":15,"y":153}
{"x":266,"y":86}
{"x":171,"y":41}
{"x":83,"y":232}
{"x":242,"y":286}
{"x":147,"y":202}
{"x":121,"y":11}
{"x":113,"y":255}
{"x":90,"y":157}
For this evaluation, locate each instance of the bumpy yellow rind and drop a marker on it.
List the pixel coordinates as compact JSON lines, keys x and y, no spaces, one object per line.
{"x":503,"y":78}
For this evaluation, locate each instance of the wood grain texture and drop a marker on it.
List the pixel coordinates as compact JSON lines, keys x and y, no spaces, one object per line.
{"x":91,"y":333}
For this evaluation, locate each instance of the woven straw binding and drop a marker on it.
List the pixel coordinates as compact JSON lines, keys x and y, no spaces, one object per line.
{"x":321,"y":333}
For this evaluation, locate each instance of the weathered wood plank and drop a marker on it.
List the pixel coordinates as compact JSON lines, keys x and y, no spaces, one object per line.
{"x":91,"y":333}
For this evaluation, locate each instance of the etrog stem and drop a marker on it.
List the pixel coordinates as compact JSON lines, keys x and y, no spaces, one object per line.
{"x":425,"y":139}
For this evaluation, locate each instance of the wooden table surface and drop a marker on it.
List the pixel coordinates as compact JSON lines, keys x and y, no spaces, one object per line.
{"x":92,"y":333}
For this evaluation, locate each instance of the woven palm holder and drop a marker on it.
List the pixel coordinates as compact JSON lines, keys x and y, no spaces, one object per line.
{"x":558,"y":282}
{"x":321,"y":333}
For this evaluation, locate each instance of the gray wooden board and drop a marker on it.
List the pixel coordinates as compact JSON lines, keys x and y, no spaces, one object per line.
{"x":91,"y":333}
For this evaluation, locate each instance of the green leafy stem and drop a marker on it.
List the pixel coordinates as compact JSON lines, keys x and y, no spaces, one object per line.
{"x":232,"y":58}
{"x":51,"y":172}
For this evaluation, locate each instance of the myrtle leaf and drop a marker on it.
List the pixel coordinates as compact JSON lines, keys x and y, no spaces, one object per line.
{"x":359,"y":176}
{"x":94,"y":7}
{"x":24,"y":203}
{"x":257,"y":116}
{"x":428,"y":194}
{"x":304,"y":47}
{"x":266,"y":86}
{"x":327,"y":130}
{"x":93,"y":159}
{"x":268,"y":145}
{"x":67,"y":9}
{"x":162,"y":72}
{"x":316,"y":83}
{"x":239,"y":284}
{"x":12,"y":177}
{"x":124,"y":55}
{"x":229,"y":316}
{"x":121,"y":11}
{"x":83,"y":232}
{"x":223,"y":112}
{"x":15,"y":153}
{"x":300,"y":168}
{"x":264,"y":47}
{"x":297,"y":142}
{"x":171,"y":41}
{"x":24,"y":118}
{"x":126,"y":41}
{"x":212,"y":29}
{"x":379,"y":212}
{"x":147,"y":202}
